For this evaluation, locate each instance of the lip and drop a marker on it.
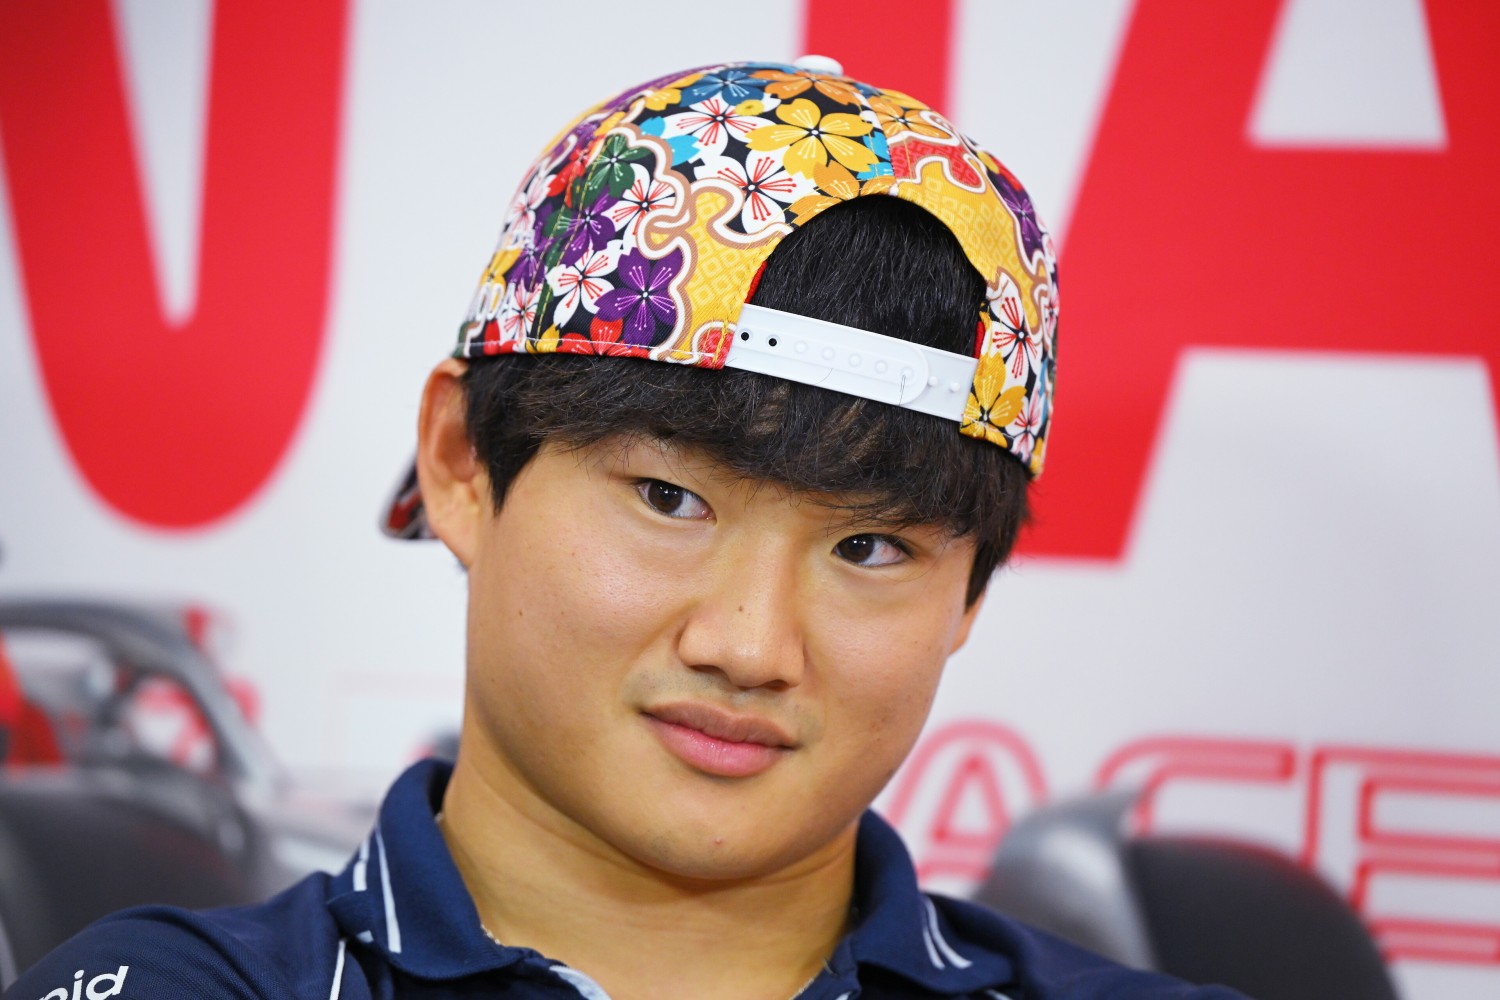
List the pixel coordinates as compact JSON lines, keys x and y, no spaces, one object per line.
{"x":717,"y":742}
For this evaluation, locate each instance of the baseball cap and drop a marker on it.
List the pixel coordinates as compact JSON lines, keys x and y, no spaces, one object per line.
{"x":643,"y":229}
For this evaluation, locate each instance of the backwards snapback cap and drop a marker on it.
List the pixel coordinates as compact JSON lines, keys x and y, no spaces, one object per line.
{"x":643,"y":229}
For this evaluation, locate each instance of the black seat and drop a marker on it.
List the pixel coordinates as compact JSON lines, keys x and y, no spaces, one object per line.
{"x":75,"y":846}
{"x":1206,"y":910}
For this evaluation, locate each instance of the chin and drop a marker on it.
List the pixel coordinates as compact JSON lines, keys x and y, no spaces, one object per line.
{"x":703,"y":860}
{"x":725,"y":849}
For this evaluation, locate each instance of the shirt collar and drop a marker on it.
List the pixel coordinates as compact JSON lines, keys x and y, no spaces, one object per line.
{"x":402,"y":894}
{"x":902,"y":930}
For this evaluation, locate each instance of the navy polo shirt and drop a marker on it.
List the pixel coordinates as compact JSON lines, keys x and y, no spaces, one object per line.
{"x":398,"y":922}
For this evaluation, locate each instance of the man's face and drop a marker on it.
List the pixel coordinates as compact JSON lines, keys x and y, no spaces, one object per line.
{"x":704,"y":673}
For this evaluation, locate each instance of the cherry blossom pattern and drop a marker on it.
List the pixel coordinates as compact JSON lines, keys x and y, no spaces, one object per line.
{"x":613,"y":167}
{"x":833,"y":183}
{"x":785,"y":85}
{"x":1019,"y":202}
{"x":579,"y":265}
{"x":588,"y":228}
{"x":515,"y":317}
{"x":992,"y":404}
{"x":521,"y":219}
{"x":530,"y":265}
{"x":643,"y":300}
{"x":811,"y":138}
{"x":763,"y":184}
{"x":646,"y":194}
{"x":896,"y":119}
{"x":582,"y":282}
{"x":1011,"y":335}
{"x":1027,"y":427}
{"x":732,"y":86}
{"x":712,"y":124}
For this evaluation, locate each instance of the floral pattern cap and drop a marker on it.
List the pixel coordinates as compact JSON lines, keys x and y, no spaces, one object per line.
{"x":642,"y":228}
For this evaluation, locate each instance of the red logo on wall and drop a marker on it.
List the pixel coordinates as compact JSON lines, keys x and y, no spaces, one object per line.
{"x":1186,"y":234}
{"x":1372,"y":819}
{"x":175,"y":426}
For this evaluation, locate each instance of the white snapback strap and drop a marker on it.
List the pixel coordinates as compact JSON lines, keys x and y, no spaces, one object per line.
{"x":853,"y":361}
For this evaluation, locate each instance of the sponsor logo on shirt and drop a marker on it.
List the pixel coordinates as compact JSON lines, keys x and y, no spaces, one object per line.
{"x":95,"y":989}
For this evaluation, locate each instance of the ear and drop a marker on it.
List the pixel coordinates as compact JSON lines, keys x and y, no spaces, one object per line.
{"x":967,"y":622}
{"x":455,"y":489}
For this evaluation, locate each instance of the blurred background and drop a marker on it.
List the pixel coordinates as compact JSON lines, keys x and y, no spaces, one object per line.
{"x":1263,"y":584}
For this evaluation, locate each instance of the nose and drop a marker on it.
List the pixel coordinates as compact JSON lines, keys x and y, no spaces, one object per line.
{"x":746,"y":622}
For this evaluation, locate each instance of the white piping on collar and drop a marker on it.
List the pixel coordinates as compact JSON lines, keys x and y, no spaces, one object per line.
{"x":935,"y":937}
{"x":392,"y":927}
{"x":586,"y":987}
{"x":338,"y":971}
{"x":360,"y":863}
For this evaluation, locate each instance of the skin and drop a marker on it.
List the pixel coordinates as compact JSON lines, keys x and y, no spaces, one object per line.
{"x":632,"y":575}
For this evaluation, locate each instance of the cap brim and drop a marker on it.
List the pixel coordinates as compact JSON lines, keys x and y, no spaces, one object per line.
{"x":405,"y":517}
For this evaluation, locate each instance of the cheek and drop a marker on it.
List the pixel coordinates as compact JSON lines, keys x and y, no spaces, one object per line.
{"x":885,"y":690}
{"x":553,"y":606}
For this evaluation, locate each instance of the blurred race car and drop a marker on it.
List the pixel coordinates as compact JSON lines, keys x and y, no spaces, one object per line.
{"x":132,"y":775}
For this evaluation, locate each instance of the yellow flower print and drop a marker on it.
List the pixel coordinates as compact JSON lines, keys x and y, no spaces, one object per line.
{"x":834,"y":183}
{"x":811,"y":137}
{"x":991,"y":406}
{"x":901,"y":100}
{"x":895,"y":119}
{"x":789,"y":85}
{"x":1039,"y":457}
{"x":660,"y":98}
{"x":544,"y":344}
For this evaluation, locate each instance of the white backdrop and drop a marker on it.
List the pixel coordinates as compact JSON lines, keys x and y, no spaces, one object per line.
{"x":1316,"y":599}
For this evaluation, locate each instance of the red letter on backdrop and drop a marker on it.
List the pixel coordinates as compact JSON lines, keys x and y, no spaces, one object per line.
{"x":1152,"y":763}
{"x":175,"y":426}
{"x":1185,"y":233}
{"x":1376,"y":847}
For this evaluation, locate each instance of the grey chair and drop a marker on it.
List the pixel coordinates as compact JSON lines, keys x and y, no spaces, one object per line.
{"x":1205,"y":910}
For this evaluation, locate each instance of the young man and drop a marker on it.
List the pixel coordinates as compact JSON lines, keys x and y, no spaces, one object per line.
{"x":740,"y":423}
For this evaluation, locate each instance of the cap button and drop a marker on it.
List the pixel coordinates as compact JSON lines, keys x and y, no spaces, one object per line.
{"x":820,"y":64}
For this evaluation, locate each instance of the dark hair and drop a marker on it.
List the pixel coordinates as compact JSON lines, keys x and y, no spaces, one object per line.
{"x":877,"y":263}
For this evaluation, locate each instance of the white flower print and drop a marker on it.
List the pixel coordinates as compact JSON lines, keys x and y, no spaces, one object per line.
{"x":712,"y":123}
{"x":1011,"y":335}
{"x":582,"y":282}
{"x":762,"y":182}
{"x":645,"y":195}
{"x":520,"y":219}
{"x":517,"y":312}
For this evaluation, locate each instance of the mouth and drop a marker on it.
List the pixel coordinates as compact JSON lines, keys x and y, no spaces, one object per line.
{"x":717,"y":742}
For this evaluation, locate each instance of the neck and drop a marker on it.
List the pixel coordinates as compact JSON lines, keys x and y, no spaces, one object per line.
{"x":541,"y":881}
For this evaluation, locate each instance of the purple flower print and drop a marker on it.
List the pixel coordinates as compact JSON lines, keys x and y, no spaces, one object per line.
{"x":642,"y":299}
{"x":590,"y":228}
{"x":529,"y":265}
{"x":1020,"y":203}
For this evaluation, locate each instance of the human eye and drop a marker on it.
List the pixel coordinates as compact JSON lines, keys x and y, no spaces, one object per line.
{"x":672,"y":500}
{"x":872,"y":550}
